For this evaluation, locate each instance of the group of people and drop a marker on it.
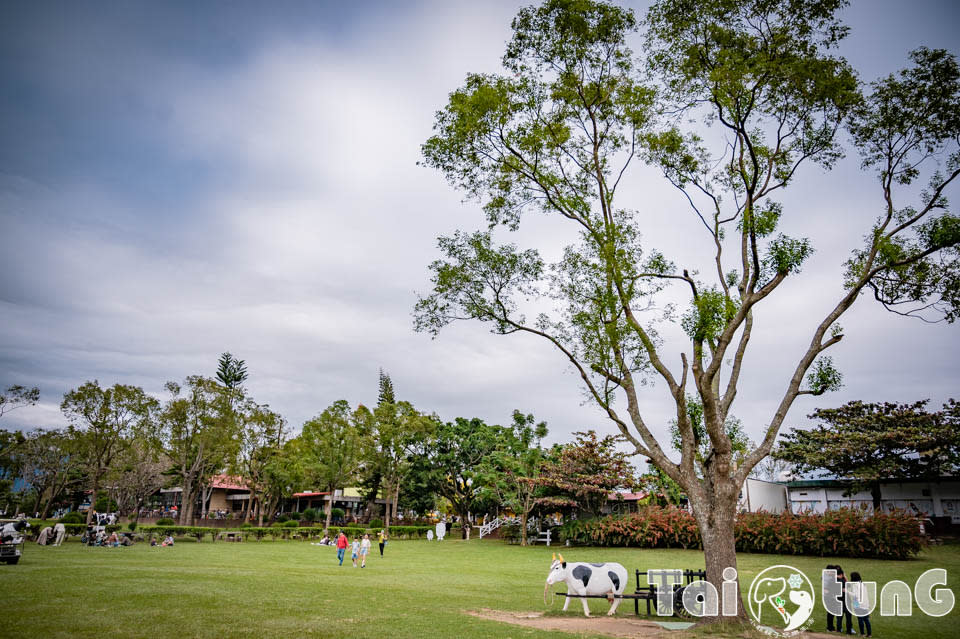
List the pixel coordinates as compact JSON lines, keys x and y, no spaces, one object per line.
{"x":854,"y":597}
{"x":52,"y":536}
{"x":360,"y":548}
{"x":167,"y":541}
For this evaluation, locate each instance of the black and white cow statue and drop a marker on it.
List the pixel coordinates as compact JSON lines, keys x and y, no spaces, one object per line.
{"x":588,"y":579}
{"x":12,"y":532}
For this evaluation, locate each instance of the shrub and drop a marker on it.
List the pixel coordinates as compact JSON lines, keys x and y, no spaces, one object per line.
{"x":246,"y":524}
{"x":73,"y":517}
{"x":310,"y":514}
{"x":104,"y":504}
{"x":337,"y":513}
{"x":291,"y":524}
{"x":281,"y":518}
{"x":295,"y":516}
{"x":376,"y":523}
{"x":843,"y":533}
{"x":165,"y":521}
{"x":132,"y":526}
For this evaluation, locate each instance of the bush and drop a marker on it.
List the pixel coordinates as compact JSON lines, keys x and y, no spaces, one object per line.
{"x":104,"y":504}
{"x":281,"y":518}
{"x":310,"y":514}
{"x":247,"y":524}
{"x":291,"y":524}
{"x":376,"y":523}
{"x":73,"y":517}
{"x":337,"y":513}
{"x":165,"y":521}
{"x":837,"y":533}
{"x":132,"y":526}
{"x":294,"y":516}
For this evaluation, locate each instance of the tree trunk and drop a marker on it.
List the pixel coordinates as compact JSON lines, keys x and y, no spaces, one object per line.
{"x":523,"y":528}
{"x":396,"y":499}
{"x":875,"y":493}
{"x":717,"y":519}
{"x":326,"y":526}
{"x":186,"y":498}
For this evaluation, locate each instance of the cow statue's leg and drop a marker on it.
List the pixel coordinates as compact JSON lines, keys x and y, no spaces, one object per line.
{"x":566,"y":600}
{"x":586,"y":608}
{"x":613,"y":604}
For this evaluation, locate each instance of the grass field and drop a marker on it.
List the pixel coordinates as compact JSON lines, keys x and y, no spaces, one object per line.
{"x":292,"y":589}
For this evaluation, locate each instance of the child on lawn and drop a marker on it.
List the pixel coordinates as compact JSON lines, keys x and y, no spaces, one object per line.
{"x":364,"y":550}
{"x":356,"y":550}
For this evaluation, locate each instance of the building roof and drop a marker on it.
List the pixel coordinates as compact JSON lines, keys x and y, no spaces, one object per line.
{"x":628,"y":496}
{"x":310,"y":494}
{"x":228,"y":482}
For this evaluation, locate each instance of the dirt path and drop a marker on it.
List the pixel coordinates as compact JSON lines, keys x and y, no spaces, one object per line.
{"x":631,"y":627}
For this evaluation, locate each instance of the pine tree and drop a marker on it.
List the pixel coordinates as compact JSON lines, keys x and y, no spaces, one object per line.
{"x":386,"y":390}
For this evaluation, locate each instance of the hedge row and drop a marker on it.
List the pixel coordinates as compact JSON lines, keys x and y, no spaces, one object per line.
{"x":283,"y":531}
{"x":837,"y":533}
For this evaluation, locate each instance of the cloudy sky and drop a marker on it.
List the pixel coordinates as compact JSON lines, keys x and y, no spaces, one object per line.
{"x":179,"y":180}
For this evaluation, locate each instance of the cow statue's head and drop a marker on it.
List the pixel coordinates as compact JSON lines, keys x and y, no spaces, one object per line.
{"x":558,"y":573}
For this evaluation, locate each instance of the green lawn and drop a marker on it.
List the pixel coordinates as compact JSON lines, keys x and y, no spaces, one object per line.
{"x":289,"y":588}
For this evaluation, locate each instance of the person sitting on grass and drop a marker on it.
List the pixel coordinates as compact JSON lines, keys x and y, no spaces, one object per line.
{"x":167,"y":541}
{"x":861,"y":603}
{"x":325,"y":541}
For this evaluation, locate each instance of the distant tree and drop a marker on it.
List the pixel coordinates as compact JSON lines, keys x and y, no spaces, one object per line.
{"x":199,"y":434}
{"x":589,"y":470}
{"x":386,"y":394}
{"x":396,"y":434}
{"x":660,"y":488}
{"x":513,"y":471}
{"x":101,"y":420}
{"x":49,"y":465}
{"x":456,"y":463}
{"x":17,"y":396}
{"x":137,"y":474}
{"x":333,"y":446}
{"x":231,"y":372}
{"x":870,"y":443}
{"x":262,"y":433}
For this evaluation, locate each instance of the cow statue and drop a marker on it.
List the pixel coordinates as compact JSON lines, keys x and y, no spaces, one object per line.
{"x":588,"y":579}
{"x":12,"y":532}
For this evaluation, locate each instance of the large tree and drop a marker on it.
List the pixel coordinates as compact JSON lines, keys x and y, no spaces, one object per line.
{"x":262,"y":432}
{"x":869,"y":443}
{"x":735,"y":96}
{"x":50,"y":465}
{"x":101,"y":421}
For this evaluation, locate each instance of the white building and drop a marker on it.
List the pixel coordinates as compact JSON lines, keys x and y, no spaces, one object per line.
{"x":758,"y":495}
{"x":933,"y":498}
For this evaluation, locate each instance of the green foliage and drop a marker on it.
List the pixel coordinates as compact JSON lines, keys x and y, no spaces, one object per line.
{"x":712,"y":310}
{"x":376,"y":523}
{"x":231,"y":372}
{"x":870,"y":442}
{"x":18,"y":396}
{"x":310,"y":514}
{"x":824,"y":377}
{"x":337,"y":513}
{"x":165,"y":521}
{"x":73,"y":517}
{"x":132,"y":526}
{"x":332,"y":445}
{"x":291,"y":524}
{"x":104,"y":504}
{"x":295,"y":516}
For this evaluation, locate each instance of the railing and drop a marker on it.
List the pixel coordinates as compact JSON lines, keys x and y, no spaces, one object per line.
{"x":490,"y":526}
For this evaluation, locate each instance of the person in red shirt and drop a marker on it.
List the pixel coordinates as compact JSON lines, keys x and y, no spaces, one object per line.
{"x":341,"y":546}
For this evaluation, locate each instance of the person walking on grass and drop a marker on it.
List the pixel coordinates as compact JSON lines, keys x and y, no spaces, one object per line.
{"x":382,"y":538}
{"x":861,"y":603}
{"x":341,"y":546}
{"x":356,"y":550}
{"x":364,"y":550}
